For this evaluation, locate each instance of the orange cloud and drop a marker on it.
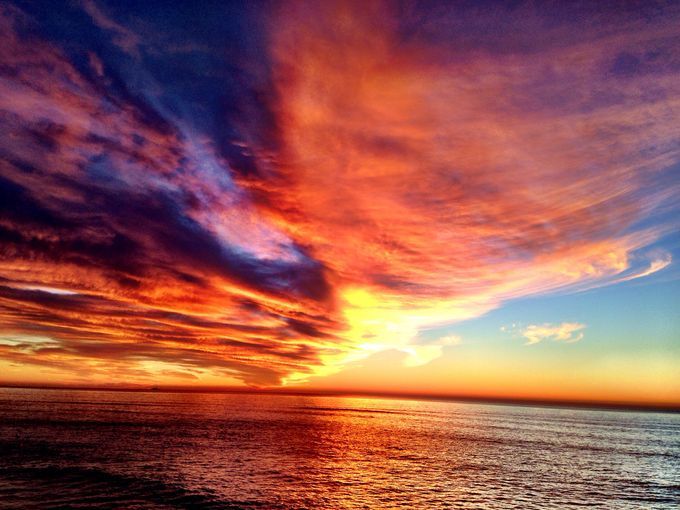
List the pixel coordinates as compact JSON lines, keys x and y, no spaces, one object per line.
{"x":437,"y":182}
{"x":125,"y":242}
{"x":410,"y":171}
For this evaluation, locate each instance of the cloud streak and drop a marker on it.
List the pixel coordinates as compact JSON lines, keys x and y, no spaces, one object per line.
{"x":567,"y":332}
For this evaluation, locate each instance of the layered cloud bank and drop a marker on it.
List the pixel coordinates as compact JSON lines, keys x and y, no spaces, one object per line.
{"x":298,"y":188}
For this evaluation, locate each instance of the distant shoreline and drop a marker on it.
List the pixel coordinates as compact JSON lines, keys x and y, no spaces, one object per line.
{"x":523,"y":402}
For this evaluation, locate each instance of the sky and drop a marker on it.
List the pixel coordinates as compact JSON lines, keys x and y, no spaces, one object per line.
{"x":446,"y":198}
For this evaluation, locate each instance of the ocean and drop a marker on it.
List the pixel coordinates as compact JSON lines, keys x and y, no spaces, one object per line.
{"x":99,"y":449}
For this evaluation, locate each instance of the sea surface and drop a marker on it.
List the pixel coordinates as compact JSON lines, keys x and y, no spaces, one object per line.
{"x":87,"y":449}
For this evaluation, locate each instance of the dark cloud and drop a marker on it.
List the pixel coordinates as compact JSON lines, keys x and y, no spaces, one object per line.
{"x":109,"y":191}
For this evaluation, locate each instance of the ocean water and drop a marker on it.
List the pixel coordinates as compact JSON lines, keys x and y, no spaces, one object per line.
{"x":86,"y":449}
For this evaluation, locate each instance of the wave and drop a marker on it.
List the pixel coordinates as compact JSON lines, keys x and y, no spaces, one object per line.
{"x":52,"y":487}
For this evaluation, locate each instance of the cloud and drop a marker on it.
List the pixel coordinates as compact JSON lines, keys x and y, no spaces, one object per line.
{"x":123,"y":37}
{"x":658,"y":260}
{"x":124,"y":237}
{"x":567,"y":332}
{"x":299,"y":198}
{"x":449,"y":340}
{"x":418,"y":352}
{"x":439,"y":172}
{"x":419,"y":355}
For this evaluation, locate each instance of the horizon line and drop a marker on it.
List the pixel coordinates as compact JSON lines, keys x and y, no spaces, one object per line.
{"x":461,"y":398}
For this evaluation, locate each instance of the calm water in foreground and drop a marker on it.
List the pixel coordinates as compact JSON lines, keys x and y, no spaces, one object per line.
{"x":82,"y":449}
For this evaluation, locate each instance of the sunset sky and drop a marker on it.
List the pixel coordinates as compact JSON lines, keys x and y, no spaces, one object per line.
{"x":448,"y":198}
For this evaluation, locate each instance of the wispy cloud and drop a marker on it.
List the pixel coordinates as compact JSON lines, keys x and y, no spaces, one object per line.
{"x":567,"y":332}
{"x":123,"y":37}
